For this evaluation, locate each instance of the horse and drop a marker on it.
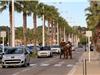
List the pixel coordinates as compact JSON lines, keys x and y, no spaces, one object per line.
{"x":66,"y":50}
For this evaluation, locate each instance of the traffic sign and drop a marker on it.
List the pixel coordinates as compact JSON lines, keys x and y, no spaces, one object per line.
{"x":88,"y":33}
{"x":3,"y":34}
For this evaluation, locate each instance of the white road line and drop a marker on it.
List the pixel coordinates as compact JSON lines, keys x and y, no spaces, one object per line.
{"x":43,"y":64}
{"x":59,"y":64}
{"x":33,"y":65}
{"x":69,"y":65}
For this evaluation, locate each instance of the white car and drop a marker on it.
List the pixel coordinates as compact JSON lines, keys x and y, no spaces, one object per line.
{"x":44,"y":52}
{"x":56,"y":49}
{"x":15,"y":57}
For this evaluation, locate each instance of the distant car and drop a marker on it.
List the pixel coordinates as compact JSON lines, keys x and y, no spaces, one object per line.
{"x":18,"y":56}
{"x":56,"y":49}
{"x":44,"y":52}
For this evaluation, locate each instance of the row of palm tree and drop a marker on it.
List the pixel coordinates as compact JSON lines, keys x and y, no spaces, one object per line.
{"x":38,"y":10}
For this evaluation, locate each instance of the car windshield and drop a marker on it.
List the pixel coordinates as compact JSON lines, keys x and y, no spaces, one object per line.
{"x":45,"y":48}
{"x":14,"y":51}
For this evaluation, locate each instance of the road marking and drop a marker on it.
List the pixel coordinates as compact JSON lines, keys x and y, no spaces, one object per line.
{"x":59,"y":64}
{"x":33,"y":65}
{"x":69,"y":65}
{"x":44,"y":64}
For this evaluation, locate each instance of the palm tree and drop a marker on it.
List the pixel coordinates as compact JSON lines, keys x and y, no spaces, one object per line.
{"x":24,"y":7}
{"x":34,"y":11}
{"x":93,"y":14}
{"x":4,"y":5}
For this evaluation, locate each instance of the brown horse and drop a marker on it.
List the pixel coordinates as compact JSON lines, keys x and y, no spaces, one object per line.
{"x":66,"y":50}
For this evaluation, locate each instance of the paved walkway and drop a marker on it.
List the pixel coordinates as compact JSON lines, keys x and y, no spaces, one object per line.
{"x":92,"y":67}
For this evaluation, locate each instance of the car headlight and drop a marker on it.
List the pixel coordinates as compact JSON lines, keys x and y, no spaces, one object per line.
{"x":22,"y":57}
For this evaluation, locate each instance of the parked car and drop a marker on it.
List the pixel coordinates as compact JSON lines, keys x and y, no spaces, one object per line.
{"x":18,"y":56}
{"x":55,"y":49}
{"x":44,"y":52}
{"x":1,"y":51}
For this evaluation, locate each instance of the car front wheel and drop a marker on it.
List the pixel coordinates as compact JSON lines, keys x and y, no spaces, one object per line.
{"x":3,"y":66}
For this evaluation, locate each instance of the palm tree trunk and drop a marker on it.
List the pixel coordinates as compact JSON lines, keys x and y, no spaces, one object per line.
{"x":60,"y":34}
{"x":35,"y":26}
{"x":24,"y":28}
{"x":57,"y":34}
{"x":43,"y":32}
{"x":13,"y":27}
{"x":64,"y":35}
{"x":10,"y":18}
{"x":52,"y":33}
{"x":49,"y":32}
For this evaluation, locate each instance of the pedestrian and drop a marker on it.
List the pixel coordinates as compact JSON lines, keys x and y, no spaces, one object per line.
{"x":62,"y":44}
{"x":70,"y":49}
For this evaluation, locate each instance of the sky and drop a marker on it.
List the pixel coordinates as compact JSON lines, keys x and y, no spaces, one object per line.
{"x":72,"y":10}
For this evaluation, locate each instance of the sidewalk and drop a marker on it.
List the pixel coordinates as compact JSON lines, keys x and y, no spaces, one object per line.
{"x":93,"y":67}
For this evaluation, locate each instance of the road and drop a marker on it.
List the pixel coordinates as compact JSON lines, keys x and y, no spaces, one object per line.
{"x":45,"y":66}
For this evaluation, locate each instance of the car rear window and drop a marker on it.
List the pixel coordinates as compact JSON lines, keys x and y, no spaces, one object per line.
{"x":45,"y":48}
{"x":55,"y":46}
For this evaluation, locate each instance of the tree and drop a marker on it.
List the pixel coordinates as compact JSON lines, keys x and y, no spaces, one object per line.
{"x":24,"y":7}
{"x":4,"y":5}
{"x":93,"y":15}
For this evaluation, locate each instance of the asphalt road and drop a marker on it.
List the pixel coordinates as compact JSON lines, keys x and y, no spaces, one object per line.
{"x":45,"y":66}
